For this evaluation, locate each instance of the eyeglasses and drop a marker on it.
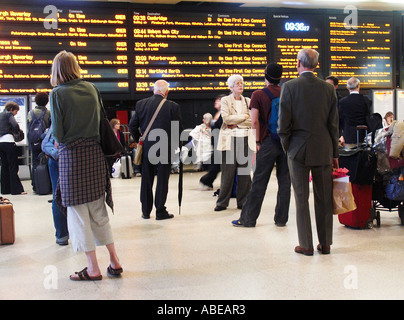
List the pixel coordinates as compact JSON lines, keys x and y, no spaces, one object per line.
{"x":238,"y":83}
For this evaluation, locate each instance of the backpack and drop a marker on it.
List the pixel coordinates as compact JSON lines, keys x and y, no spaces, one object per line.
{"x":273,"y":119}
{"x":36,"y":129}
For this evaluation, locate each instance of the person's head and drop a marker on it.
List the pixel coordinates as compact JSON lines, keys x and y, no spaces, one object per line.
{"x":353,"y":84}
{"x":12,"y":106}
{"x":41,"y":99}
{"x":307,"y":60}
{"x":333,"y":80}
{"x":207,"y":118}
{"x":161,"y":87}
{"x":273,"y":73}
{"x":389,"y":117}
{"x":64,"y":68}
{"x":236,"y":84}
{"x":218,"y":100}
{"x":115,"y":124}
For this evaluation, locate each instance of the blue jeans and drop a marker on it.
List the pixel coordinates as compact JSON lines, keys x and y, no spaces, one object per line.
{"x":59,"y":219}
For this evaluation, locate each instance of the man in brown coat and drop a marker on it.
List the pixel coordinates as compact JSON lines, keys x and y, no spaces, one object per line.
{"x":308,"y":128}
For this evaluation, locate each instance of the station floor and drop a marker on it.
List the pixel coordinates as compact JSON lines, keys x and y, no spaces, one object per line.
{"x":199,"y":255}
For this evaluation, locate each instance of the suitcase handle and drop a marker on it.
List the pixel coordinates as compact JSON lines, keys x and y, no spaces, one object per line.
{"x":358,"y":128}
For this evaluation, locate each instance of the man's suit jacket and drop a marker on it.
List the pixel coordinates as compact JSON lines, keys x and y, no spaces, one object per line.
{"x":144,"y":112}
{"x":354,"y":109}
{"x":308,"y":120}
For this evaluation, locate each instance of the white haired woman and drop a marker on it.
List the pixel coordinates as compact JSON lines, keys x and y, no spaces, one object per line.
{"x":236,"y":143}
{"x":84,"y":183}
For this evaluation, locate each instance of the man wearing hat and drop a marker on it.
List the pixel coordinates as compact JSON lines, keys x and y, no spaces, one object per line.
{"x":269,"y":153}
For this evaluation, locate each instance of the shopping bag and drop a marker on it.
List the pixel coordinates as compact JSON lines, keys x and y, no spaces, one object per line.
{"x":343,"y":198}
{"x":116,"y":169}
{"x":139,"y":154}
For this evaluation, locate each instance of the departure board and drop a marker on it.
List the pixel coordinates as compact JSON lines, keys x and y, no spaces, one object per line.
{"x":292,"y":32}
{"x":363,"y":50}
{"x":30,"y":39}
{"x":198,"y":51}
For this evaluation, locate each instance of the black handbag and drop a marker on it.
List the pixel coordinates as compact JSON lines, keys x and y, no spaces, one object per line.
{"x":18,"y":136}
{"x":110,"y":144}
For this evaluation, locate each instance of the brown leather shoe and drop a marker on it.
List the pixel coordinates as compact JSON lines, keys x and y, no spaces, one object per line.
{"x":323,"y":249}
{"x":306,"y":252}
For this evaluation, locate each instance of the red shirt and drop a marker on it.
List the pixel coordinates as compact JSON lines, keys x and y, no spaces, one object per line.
{"x":261,"y":101}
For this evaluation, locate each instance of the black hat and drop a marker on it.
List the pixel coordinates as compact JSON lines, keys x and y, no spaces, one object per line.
{"x":273,"y":72}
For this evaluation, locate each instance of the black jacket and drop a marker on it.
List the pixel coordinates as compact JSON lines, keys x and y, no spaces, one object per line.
{"x":354,"y":109}
{"x":8,"y":125}
{"x":168,"y":121}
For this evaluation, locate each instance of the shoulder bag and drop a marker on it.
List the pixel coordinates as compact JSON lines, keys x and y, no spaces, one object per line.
{"x":139,"y":150}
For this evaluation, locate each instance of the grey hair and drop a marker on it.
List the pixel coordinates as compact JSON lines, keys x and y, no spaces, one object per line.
{"x":161,"y":86}
{"x":207,"y":117}
{"x":232,"y":80}
{"x":352,"y":83}
{"x":308,"y":58}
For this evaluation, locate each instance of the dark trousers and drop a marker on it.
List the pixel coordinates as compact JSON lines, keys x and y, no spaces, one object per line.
{"x":146,"y":189}
{"x":10,"y":182}
{"x":59,"y":219}
{"x":235,"y":161}
{"x":268,"y":155}
{"x":323,"y":203}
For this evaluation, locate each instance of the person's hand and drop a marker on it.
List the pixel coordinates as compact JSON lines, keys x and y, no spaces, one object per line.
{"x":335,"y":163}
{"x":231,"y":126}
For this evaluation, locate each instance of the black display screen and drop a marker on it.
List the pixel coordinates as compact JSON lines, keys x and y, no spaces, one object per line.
{"x":31,"y":36}
{"x":198,"y":51}
{"x":292,"y":32}
{"x":363,"y":50}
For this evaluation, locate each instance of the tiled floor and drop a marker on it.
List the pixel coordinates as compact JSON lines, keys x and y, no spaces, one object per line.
{"x":199,"y":255}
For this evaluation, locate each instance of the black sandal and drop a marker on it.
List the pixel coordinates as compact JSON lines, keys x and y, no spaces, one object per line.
{"x":114,"y":272}
{"x":83,"y":276}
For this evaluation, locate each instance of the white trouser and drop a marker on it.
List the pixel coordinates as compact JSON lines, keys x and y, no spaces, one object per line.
{"x":89,"y":226}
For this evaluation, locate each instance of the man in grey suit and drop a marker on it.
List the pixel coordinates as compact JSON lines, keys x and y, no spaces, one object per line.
{"x":308,"y":128}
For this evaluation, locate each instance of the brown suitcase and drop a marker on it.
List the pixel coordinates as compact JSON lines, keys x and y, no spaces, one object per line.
{"x":7,"y":228}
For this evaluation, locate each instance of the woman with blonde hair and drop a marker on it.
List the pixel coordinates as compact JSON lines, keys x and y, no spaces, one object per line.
{"x":84,"y":183}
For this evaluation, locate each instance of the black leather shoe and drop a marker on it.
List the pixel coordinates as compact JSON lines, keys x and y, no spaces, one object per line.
{"x":219,"y":208}
{"x":165,"y":216}
{"x":145,"y":217}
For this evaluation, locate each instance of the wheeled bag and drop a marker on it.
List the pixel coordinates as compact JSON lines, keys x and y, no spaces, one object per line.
{"x":362,"y":217}
{"x":361,"y":162}
{"x":126,"y":167}
{"x":42,"y":181}
{"x":7,"y":227}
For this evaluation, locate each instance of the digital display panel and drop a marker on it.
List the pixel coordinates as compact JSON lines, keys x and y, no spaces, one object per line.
{"x":363,"y":50}
{"x":198,"y":51}
{"x":123,"y":48}
{"x":30,"y":39}
{"x":292,"y":32}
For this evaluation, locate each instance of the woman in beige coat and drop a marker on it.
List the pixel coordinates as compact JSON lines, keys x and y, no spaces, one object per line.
{"x":237,"y":142}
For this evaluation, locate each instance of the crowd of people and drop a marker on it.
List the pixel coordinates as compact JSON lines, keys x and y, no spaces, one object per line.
{"x":287,"y":127}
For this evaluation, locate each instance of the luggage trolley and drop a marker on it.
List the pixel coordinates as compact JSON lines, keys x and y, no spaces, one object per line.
{"x":361,"y":163}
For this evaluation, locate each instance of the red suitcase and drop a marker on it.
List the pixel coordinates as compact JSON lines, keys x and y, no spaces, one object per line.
{"x":363,"y":216}
{"x":7,"y":229}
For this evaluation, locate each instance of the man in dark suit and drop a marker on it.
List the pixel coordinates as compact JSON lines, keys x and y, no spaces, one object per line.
{"x":158,"y":147}
{"x":354,"y":109}
{"x":308,"y":128}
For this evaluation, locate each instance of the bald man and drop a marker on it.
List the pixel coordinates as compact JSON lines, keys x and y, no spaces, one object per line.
{"x":157,"y":147}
